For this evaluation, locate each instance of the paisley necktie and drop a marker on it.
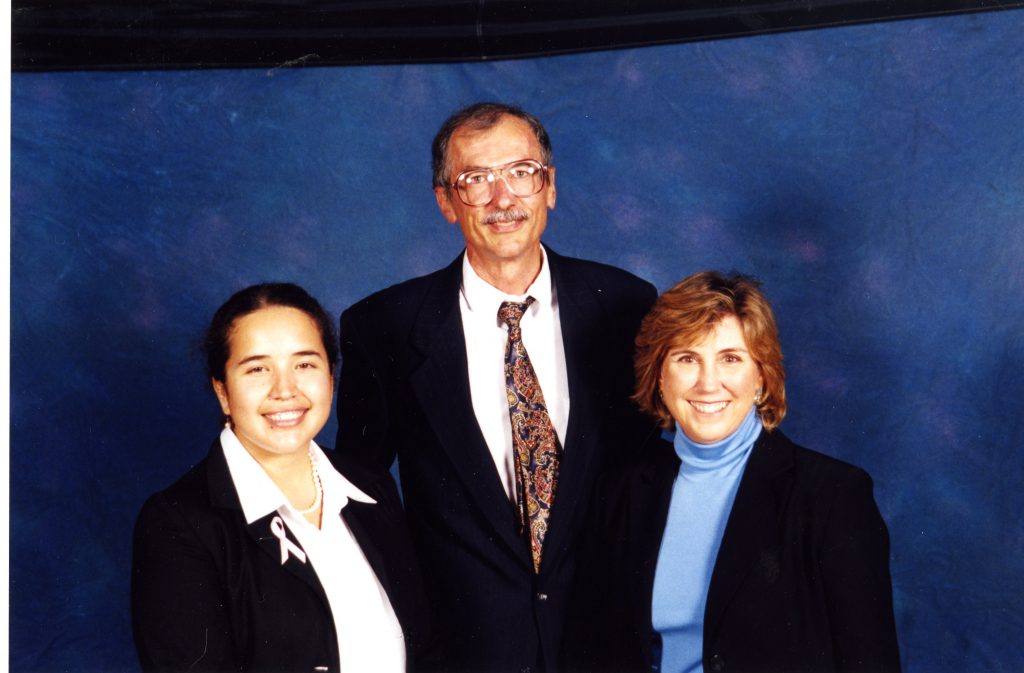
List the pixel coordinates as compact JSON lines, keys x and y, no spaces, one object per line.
{"x":534,"y":442}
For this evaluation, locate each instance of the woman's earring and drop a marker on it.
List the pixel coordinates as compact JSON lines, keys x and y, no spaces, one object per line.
{"x":758,"y":396}
{"x":227,"y":422}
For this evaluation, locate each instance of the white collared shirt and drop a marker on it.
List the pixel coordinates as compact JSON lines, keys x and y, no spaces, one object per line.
{"x":369,"y":634}
{"x":486,"y":336}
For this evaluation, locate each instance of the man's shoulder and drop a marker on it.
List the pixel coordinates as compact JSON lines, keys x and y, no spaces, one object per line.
{"x":404,"y":297}
{"x":594,"y":269}
{"x":600,"y":277}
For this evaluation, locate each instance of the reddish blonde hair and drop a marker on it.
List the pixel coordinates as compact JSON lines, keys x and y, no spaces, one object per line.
{"x":684,"y":315}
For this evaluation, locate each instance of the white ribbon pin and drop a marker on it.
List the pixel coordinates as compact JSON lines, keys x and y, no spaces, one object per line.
{"x":277,"y":528}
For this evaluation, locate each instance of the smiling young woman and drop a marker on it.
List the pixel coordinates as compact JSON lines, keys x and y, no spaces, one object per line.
{"x":273,"y":553}
{"x":277,"y":392}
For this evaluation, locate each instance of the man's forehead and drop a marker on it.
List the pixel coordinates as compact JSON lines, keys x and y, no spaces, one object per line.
{"x":486,"y":147}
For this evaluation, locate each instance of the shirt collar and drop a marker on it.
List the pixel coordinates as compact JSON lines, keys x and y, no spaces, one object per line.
{"x":337,"y":489}
{"x":259,"y":494}
{"x":484,"y":297}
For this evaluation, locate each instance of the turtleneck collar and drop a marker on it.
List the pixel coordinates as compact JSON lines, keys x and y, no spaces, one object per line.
{"x":705,"y":460}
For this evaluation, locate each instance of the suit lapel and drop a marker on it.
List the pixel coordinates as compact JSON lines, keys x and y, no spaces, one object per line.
{"x":578,"y":313}
{"x":223,"y":494}
{"x":441,"y":385}
{"x":751,"y":527}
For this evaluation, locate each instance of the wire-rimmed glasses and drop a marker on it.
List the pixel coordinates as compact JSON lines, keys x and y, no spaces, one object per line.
{"x":524,"y":177}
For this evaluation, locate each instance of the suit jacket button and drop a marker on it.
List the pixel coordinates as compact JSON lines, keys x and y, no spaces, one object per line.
{"x":717,"y":663}
{"x":542,"y":597}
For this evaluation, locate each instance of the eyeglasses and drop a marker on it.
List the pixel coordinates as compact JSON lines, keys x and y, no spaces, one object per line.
{"x":525,"y":177}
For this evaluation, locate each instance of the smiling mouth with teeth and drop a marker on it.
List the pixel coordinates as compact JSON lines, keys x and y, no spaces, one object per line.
{"x":285,"y":417}
{"x":709,"y":407}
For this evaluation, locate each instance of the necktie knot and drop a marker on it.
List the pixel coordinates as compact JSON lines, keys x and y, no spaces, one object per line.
{"x":511,"y":312}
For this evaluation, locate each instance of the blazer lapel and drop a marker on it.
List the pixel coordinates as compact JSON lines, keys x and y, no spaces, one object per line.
{"x":649,"y":498}
{"x":262,"y":530}
{"x":751,"y":527}
{"x":223,"y":494}
{"x":578,"y":313}
{"x":374,"y":535}
{"x":441,"y":384}
{"x":361,"y":519}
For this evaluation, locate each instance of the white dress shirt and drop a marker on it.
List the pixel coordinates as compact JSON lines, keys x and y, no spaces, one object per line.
{"x":369,"y":634}
{"x":486,"y":336}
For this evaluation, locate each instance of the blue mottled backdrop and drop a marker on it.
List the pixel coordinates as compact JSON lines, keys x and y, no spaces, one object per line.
{"x":872,"y":176}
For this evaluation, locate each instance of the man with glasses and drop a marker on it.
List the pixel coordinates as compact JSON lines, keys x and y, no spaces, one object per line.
{"x":501,"y":382}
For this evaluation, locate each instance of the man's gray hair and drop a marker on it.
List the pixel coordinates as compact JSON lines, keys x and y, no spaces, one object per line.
{"x":480,"y":117}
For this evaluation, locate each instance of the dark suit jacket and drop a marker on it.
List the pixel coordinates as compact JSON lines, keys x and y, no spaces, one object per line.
{"x":405,"y":390}
{"x":209,"y":592}
{"x":801,"y":581}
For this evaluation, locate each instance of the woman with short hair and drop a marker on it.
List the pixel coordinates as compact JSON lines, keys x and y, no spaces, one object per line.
{"x":729,"y":548}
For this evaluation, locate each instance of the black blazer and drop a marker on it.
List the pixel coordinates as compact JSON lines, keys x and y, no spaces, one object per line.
{"x":405,"y":390}
{"x":801,"y":581}
{"x":209,"y":592}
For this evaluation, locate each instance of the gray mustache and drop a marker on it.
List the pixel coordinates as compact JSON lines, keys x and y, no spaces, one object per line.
{"x":503,"y":216}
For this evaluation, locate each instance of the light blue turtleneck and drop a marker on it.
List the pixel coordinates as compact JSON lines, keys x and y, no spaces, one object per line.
{"x":702,"y":497}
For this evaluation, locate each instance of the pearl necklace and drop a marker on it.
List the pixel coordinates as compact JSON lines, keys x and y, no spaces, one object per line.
{"x":319,"y":487}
